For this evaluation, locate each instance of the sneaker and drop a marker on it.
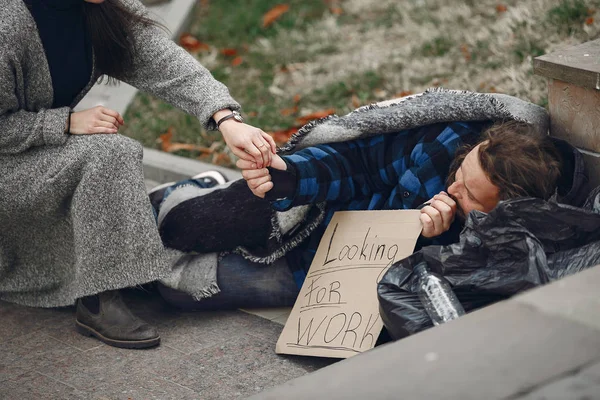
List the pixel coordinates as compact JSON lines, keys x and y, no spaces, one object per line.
{"x":212,"y":178}
{"x":203,"y":180}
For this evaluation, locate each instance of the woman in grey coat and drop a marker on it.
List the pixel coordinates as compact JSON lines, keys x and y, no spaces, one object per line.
{"x":76,"y":222}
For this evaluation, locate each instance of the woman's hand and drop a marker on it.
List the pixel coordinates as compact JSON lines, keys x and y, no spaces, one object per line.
{"x":247,"y":142}
{"x":95,"y":120}
{"x":438,"y":215}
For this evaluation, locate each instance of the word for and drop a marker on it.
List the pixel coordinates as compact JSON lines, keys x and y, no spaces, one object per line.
{"x":328,"y":294}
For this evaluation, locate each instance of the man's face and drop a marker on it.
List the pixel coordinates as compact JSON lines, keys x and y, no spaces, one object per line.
{"x":472,"y":189}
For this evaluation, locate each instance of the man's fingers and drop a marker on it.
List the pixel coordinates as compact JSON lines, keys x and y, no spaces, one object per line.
{"x":256,"y":182}
{"x":255,"y":173}
{"x":446,"y":213}
{"x":427,"y":223}
{"x":443,"y":196}
{"x":245,"y":164}
{"x":262,"y":189}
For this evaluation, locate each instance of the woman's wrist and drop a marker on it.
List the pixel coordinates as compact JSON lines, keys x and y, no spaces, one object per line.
{"x":68,"y":127}
{"x":220,"y":114}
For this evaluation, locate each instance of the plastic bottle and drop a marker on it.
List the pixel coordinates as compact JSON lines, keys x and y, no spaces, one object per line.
{"x":437,"y":296}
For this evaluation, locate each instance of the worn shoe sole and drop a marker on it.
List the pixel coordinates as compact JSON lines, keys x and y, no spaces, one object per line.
{"x":124,"y":344}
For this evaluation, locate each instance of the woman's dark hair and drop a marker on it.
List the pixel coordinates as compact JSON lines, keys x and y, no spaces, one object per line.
{"x":517,"y":159}
{"x":111,"y":26}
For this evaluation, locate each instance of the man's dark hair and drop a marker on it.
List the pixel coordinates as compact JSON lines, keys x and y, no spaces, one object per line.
{"x":518,"y":160}
{"x":111,"y":26}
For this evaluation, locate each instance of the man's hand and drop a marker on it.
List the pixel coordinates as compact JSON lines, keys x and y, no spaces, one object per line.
{"x":438,"y":215}
{"x":95,"y":120}
{"x":259,"y":179}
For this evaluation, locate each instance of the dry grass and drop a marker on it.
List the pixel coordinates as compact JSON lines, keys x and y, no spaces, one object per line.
{"x":374,"y":50}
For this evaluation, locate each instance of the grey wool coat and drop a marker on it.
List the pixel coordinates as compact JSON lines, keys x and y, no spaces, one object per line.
{"x":74,"y":216}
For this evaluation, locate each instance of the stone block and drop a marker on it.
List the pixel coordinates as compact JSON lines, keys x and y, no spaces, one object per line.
{"x":495,"y":353}
{"x":574,"y":297}
{"x":577,"y":65}
{"x":575,"y":114}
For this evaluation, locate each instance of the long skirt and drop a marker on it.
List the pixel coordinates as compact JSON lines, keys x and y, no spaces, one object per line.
{"x":75,"y":220}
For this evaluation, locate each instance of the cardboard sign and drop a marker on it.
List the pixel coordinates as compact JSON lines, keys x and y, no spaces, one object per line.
{"x":337,"y":311}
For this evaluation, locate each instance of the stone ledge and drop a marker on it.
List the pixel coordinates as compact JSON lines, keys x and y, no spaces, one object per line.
{"x":163,"y":167}
{"x":502,"y":351}
{"x":578,"y":65}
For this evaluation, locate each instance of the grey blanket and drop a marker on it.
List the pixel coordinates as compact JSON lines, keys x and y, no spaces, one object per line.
{"x":433,"y":106}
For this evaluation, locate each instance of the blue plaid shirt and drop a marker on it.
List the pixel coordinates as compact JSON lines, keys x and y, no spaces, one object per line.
{"x":385,"y":172}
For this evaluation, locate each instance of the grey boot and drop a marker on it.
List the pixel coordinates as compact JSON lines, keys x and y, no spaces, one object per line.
{"x":114,"y":324}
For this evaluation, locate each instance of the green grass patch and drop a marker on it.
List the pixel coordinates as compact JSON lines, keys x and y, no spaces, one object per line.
{"x":525,"y":48}
{"x":338,"y":95}
{"x":568,"y":15}
{"x":437,"y":47}
{"x":234,"y":22}
{"x":568,"y":12}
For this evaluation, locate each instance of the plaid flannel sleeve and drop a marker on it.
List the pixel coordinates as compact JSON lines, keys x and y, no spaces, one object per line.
{"x":334,"y":172}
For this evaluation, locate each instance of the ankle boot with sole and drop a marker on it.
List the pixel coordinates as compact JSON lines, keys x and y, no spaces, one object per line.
{"x":109,"y":320}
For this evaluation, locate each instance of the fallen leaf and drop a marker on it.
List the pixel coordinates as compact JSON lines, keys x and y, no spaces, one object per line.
{"x":168,"y":146}
{"x":501,"y":8}
{"x":591,"y":11}
{"x":165,"y":139}
{"x":274,"y":14}
{"x":190,"y":43}
{"x":283,"y":135}
{"x":229,"y":52}
{"x":237,"y":61}
{"x":464,"y":49}
{"x":289,"y":111}
{"x":315,"y":115}
{"x":355,"y":101}
{"x":297,"y":98}
{"x":252,"y":113}
{"x":589,"y":20}
{"x":336,"y":10}
{"x":221,"y":159}
{"x":404,"y":93}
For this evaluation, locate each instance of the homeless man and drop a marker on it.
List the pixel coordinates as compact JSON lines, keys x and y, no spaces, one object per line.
{"x":449,"y":165}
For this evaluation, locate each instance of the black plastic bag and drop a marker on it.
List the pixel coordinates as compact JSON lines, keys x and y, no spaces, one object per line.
{"x":521,"y":244}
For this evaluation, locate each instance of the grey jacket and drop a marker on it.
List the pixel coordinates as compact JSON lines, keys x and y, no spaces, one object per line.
{"x":73,"y":210}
